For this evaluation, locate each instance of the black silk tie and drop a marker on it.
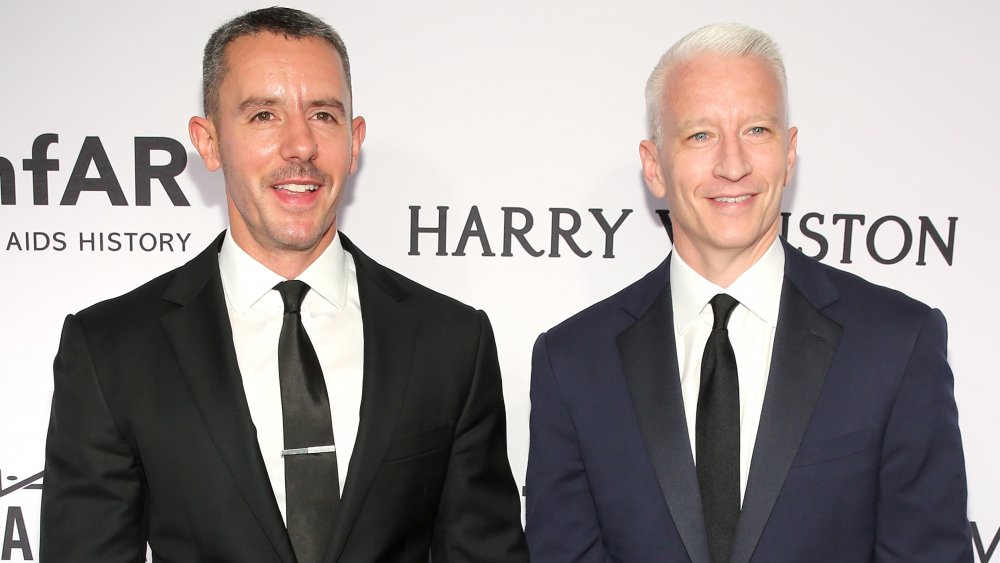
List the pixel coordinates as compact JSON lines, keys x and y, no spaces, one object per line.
{"x":717,"y":434}
{"x":312,"y":488}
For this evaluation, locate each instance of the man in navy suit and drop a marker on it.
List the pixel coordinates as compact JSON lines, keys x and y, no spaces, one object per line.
{"x":806,"y":415}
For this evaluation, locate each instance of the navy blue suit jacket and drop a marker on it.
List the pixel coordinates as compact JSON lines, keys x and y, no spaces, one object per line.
{"x":858,"y":455}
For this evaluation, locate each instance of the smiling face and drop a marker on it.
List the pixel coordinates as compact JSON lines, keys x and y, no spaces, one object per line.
{"x":286,"y":143}
{"x":725,"y":159}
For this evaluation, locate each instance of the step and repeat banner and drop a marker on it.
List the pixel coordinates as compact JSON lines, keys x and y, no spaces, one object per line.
{"x":501,"y":167}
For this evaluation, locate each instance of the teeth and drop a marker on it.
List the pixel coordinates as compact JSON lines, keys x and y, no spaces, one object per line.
{"x":298,"y":188}
{"x":733,"y":199}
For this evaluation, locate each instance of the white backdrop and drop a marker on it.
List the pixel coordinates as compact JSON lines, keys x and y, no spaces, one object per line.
{"x":518,"y":104}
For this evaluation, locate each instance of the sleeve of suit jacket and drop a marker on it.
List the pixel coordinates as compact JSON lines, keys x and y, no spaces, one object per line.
{"x":561,"y":520}
{"x":92,"y":493}
{"x":478,"y":517}
{"x":922,"y":484}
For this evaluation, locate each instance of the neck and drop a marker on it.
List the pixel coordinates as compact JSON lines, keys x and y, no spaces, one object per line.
{"x":722,"y":266}
{"x":286,"y":262}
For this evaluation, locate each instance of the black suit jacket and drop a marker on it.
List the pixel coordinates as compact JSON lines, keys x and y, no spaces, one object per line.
{"x":858,"y":456}
{"x":150,"y":436}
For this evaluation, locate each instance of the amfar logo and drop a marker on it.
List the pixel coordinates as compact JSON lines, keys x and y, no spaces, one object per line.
{"x":15,"y":535}
{"x":92,"y":153}
{"x":887,"y":240}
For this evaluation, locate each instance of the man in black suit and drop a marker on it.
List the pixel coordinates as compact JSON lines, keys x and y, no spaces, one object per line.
{"x":174,"y":404}
{"x":741,"y":402}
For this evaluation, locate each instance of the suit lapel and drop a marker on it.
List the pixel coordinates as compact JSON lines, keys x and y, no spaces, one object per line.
{"x":649,"y":357}
{"x":804,"y":345}
{"x":390,"y":334}
{"x":200,"y":334}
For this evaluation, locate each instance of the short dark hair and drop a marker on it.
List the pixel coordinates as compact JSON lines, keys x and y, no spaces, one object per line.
{"x":289,"y":22}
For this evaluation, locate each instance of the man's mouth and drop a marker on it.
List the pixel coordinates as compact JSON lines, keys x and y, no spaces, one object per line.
{"x":297,"y":188}
{"x":737,"y":199}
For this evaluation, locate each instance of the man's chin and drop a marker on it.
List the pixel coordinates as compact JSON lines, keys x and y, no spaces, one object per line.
{"x":305,"y":241}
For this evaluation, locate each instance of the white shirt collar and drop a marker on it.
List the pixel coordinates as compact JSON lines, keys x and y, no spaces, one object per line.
{"x":758,"y":289}
{"x":246,"y":280}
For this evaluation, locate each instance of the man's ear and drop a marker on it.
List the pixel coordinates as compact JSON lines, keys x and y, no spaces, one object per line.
{"x":357,"y":137}
{"x":205,"y":139}
{"x":793,"y":141}
{"x":649,"y":154}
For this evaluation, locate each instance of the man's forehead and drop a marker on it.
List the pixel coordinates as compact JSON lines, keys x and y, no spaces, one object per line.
{"x":254,"y":78}
{"x":749,"y":82}
{"x":714,"y":66}
{"x":252,"y":61}
{"x":264,"y":42}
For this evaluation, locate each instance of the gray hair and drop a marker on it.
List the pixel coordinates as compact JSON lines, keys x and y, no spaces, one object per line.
{"x":287,"y":22}
{"x":726,"y":39}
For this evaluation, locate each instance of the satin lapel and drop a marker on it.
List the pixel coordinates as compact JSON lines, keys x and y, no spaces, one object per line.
{"x":649,"y":355}
{"x":804,"y":345}
{"x":390,"y":334}
{"x":201,"y":337}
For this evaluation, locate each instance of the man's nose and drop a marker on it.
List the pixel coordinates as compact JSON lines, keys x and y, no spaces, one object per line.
{"x":298,"y":140}
{"x":732,"y":163}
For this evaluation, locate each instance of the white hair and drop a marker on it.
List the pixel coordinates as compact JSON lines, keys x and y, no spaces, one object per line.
{"x":726,"y":39}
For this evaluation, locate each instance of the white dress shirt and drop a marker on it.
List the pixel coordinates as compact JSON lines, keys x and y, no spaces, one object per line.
{"x":331,"y":314}
{"x":751,"y":332}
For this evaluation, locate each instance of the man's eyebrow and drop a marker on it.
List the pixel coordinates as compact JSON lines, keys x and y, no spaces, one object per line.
{"x":255,"y":102}
{"x":332,"y":103}
{"x":690,"y":123}
{"x":768,"y":117}
{"x":701,"y":122}
{"x":261,"y":101}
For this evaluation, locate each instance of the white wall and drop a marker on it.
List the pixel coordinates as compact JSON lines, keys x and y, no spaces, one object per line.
{"x":513,"y":104}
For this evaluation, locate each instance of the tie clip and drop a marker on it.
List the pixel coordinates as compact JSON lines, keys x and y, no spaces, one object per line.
{"x":309,"y":450}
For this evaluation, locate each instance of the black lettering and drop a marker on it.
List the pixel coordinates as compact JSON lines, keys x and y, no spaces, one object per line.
{"x":114,"y":241}
{"x":91,"y":241}
{"x":167,"y":241}
{"x":59,"y":238}
{"x":810,"y":234}
{"x":15,"y":527}
{"x":106,"y":181}
{"x":609,"y":231}
{"x":40,"y":165}
{"x":7,"y":194}
{"x":565,"y":234}
{"x":43,"y":238}
{"x":510,"y":232}
{"x":13,"y":242}
{"x":946,"y":250}
{"x":167,"y":173}
{"x":152,"y":242}
{"x":907,"y":239}
{"x":668,"y":225}
{"x":184,"y":240}
{"x":441,"y":230}
{"x":784,"y":224}
{"x":984,"y":554}
{"x":848,"y":233}
{"x":473,"y":228}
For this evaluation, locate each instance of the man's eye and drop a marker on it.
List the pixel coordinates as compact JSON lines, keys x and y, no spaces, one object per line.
{"x":324,"y":116}
{"x":262,"y":116}
{"x":701,"y":136}
{"x":757,"y":130}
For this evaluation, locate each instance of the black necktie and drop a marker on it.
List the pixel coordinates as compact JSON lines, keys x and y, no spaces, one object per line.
{"x":717,"y":434}
{"x":312,"y":488}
